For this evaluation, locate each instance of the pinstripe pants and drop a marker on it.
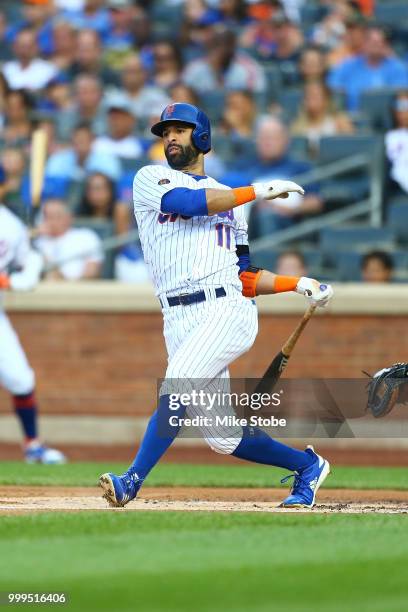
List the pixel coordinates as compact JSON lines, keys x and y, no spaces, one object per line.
{"x":16,"y":374}
{"x":202,"y":340}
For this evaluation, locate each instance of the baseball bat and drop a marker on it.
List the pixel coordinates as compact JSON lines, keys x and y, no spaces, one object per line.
{"x":39,"y":143}
{"x":280,"y":361}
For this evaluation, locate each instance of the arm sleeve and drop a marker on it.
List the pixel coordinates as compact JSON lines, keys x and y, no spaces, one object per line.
{"x":150,"y":184}
{"x":244,"y":258}
{"x":189,"y":202}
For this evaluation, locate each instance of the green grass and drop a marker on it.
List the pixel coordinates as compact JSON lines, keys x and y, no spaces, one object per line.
{"x":207,"y":562}
{"x":228,"y":475}
{"x":150,"y":562}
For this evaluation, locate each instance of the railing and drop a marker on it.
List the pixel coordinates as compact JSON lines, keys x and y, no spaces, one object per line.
{"x":372,"y":206}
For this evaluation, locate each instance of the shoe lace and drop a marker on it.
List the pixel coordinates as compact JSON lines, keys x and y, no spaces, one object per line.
{"x":300,"y":484}
{"x":132,"y":481}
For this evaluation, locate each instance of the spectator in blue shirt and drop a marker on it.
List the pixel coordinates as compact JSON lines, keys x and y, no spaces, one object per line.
{"x":89,"y":59}
{"x":88,"y":107}
{"x":36,"y":16}
{"x":94,"y":16}
{"x":375,"y":68}
{"x":118,"y":41}
{"x":79,"y":160}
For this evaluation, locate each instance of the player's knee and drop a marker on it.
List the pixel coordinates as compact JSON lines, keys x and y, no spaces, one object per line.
{"x":223,"y":446}
{"x":176,"y":371}
{"x":22,"y":384}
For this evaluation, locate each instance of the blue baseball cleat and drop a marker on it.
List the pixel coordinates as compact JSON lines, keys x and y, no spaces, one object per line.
{"x":307,"y":482}
{"x":119,"y":490}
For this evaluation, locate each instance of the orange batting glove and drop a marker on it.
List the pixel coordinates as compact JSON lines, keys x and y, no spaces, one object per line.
{"x":4,"y":281}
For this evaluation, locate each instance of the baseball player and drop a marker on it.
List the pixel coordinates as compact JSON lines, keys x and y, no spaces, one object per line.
{"x":20,"y":269}
{"x":194,"y":238}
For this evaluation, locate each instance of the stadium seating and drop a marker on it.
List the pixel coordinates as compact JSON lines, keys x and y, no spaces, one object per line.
{"x":222,"y":146}
{"x":12,"y":10}
{"x":267,"y":258}
{"x":290,"y":102}
{"x":347,"y":268}
{"x":239,"y":150}
{"x":274,"y":81}
{"x":298,"y":147}
{"x":357,"y":238}
{"x":397,"y":218}
{"x":342,"y":238}
{"x":166,"y":18}
{"x":310,"y":13}
{"x":390,"y":13}
{"x":353,"y":185}
{"x":130,"y":164}
{"x":333,"y":148}
{"x":213,"y":103}
{"x":376,"y":106}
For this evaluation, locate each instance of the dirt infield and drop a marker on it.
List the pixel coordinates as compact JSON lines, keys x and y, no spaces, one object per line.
{"x":26,"y":500}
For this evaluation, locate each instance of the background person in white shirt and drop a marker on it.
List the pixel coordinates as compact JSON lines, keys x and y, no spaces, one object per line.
{"x":20,"y":270}
{"x":140,"y":95}
{"x":28,"y":71}
{"x":77,"y":252}
{"x":396,"y":142}
{"x":121,"y":140}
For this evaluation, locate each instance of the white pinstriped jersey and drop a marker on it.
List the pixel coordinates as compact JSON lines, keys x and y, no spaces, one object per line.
{"x":14,"y":243}
{"x":16,"y":374}
{"x":185,"y":254}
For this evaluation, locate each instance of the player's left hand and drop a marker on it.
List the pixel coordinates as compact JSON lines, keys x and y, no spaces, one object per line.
{"x":4,"y":281}
{"x":314,"y":291}
{"x":276,"y":189}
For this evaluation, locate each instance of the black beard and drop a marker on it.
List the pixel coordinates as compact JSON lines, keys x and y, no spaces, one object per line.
{"x":183,"y":158}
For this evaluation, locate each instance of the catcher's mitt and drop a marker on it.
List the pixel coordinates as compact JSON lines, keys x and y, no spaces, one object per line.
{"x":386,"y":388}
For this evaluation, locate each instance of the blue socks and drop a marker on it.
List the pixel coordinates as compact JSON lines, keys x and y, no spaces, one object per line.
{"x":26,"y":411}
{"x":158,"y":437}
{"x":257,"y":446}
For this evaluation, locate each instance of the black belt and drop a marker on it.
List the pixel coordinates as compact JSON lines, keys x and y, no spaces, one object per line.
{"x":193,"y":298}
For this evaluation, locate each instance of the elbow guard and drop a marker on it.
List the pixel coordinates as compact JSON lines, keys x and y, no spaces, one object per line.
{"x":249,"y":279}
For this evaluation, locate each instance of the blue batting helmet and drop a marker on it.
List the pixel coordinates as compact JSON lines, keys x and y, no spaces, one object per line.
{"x":191,"y":115}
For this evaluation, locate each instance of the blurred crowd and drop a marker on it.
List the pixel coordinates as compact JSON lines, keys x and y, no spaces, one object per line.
{"x":276,"y":77}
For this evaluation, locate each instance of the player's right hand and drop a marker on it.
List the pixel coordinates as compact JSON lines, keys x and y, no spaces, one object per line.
{"x":276,"y":189}
{"x":314,"y":291}
{"x":4,"y":281}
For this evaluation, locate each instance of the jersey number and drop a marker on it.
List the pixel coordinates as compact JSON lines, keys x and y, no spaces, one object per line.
{"x":223,"y":235}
